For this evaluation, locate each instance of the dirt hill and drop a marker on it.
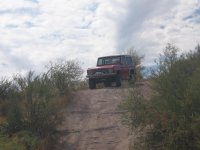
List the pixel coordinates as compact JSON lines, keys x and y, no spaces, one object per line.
{"x":93,"y":121}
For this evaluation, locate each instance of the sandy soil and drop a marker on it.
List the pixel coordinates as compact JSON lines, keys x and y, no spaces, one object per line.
{"x":93,"y":121}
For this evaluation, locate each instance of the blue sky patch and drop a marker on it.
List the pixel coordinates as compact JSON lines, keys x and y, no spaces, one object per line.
{"x":29,"y":24}
{"x":10,"y":26}
{"x":92,"y":7}
{"x":197,"y":11}
{"x":21,"y":11}
{"x":34,"y":1}
{"x":188,"y":17}
{"x":194,"y":17}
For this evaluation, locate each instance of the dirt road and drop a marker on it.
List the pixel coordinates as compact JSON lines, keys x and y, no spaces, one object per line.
{"x":93,"y":121}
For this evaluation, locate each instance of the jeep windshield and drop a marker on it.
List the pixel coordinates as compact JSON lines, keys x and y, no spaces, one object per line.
{"x":108,"y":60}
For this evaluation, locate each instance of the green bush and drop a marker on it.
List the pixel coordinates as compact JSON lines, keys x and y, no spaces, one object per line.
{"x":177,"y":83}
{"x":33,"y":109}
{"x":64,"y":75}
{"x":10,"y":143}
{"x":28,"y":140}
{"x":33,"y":106}
{"x":172,"y":115}
{"x":3,"y":108}
{"x":137,"y":59}
{"x":5,"y":86}
{"x":136,"y":108}
{"x":41,"y":115}
{"x":8,"y":91}
{"x":14,"y":118}
{"x":22,"y":140}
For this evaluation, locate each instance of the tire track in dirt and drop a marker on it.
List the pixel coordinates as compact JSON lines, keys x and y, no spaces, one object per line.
{"x":93,"y":121}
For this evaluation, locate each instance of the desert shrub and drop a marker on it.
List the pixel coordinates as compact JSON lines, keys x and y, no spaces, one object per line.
{"x":137,"y":60}
{"x":3,"y":108}
{"x":82,"y":84}
{"x":34,"y":104}
{"x":172,"y":114}
{"x":33,"y":109}
{"x":14,"y":118}
{"x":177,"y":85}
{"x":64,"y":75}
{"x":10,"y":143}
{"x":136,"y":108}
{"x":28,"y":140}
{"x":22,"y":140}
{"x":41,"y":116}
{"x":8,"y":90}
{"x":4,"y":89}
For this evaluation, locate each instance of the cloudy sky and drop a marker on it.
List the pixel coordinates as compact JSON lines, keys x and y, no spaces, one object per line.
{"x":34,"y":32}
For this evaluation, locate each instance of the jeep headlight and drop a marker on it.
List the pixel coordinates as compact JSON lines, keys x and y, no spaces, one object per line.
{"x":89,"y":72}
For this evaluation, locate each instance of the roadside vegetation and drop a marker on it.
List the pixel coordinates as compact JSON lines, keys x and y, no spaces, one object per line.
{"x":171,"y":118}
{"x":137,"y":59}
{"x":31,"y":106}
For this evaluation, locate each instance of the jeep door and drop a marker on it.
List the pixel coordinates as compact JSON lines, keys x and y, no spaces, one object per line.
{"x":124,"y":68}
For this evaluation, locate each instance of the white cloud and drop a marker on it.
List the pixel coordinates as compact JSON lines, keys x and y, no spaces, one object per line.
{"x":33,"y":32}
{"x":150,"y":27}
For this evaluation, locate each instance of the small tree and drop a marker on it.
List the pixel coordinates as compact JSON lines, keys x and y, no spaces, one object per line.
{"x":137,"y":59}
{"x":64,"y":74}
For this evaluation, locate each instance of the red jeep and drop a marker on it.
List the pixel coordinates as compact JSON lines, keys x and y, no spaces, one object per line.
{"x":111,"y":69}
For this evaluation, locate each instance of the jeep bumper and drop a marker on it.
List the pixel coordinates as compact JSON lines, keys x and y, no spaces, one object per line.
{"x":101,"y":76}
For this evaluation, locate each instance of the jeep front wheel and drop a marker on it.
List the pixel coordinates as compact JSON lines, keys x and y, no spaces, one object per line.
{"x":92,"y":84}
{"x":107,"y":84}
{"x":118,"y":80}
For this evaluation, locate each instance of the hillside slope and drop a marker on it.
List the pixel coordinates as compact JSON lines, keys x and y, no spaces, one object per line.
{"x":93,"y":121}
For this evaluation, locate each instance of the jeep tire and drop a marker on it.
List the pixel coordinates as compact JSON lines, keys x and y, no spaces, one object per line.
{"x":92,"y":84}
{"x":107,"y":84}
{"x":118,"y":80}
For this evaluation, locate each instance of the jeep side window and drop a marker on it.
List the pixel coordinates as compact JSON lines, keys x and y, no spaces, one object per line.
{"x":107,"y":61}
{"x":129,"y":61}
{"x":123,"y":61}
{"x":126,"y":59}
{"x":100,"y":62}
{"x":115,"y":60}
